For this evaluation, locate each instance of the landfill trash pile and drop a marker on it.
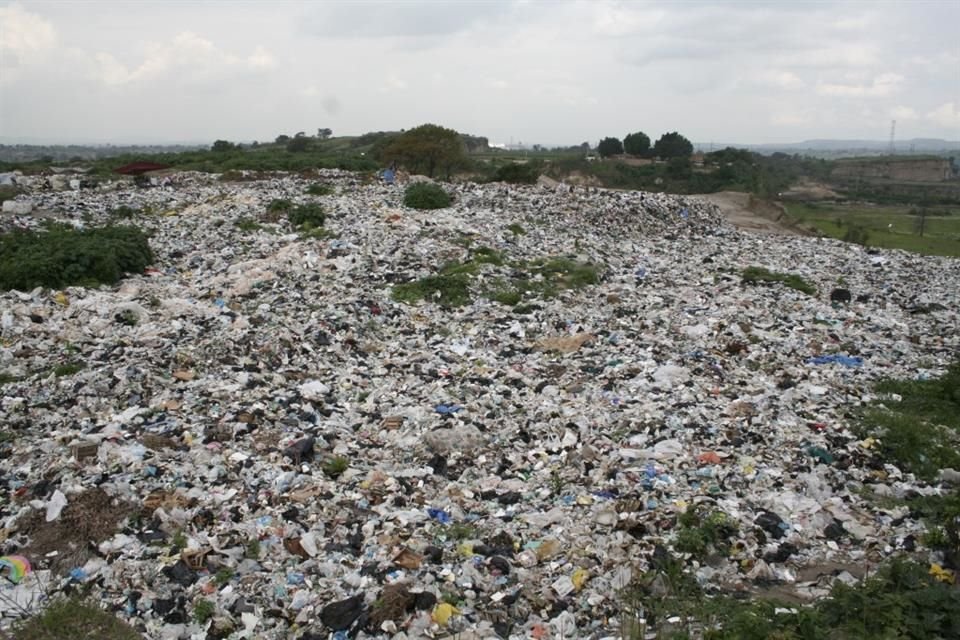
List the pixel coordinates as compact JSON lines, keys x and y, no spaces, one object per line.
{"x":255,"y":439}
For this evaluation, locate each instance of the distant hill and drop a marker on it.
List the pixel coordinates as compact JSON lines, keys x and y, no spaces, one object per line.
{"x":845,"y":148}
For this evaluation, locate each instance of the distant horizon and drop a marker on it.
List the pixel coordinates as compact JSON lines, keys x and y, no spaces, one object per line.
{"x":25,"y":141}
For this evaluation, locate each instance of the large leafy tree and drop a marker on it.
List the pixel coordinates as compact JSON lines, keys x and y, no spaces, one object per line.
{"x":427,"y":149}
{"x":637,"y":144}
{"x":672,"y":145}
{"x":610,"y":147}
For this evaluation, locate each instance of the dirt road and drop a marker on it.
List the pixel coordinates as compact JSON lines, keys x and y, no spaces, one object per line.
{"x":749,"y":214}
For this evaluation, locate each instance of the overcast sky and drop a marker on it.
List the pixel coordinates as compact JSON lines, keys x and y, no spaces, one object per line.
{"x":549,"y":72}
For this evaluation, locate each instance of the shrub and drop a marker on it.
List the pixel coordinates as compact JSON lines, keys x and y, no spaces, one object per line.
{"x":276,"y":209}
{"x":319,"y":190}
{"x":309,"y":216}
{"x":857,"y":235}
{"x":63,"y":256}
{"x":515,"y":173}
{"x":73,"y":618}
{"x":123,"y":211}
{"x":423,"y":195}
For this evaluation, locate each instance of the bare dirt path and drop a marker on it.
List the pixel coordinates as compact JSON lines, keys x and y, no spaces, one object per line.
{"x":750,"y":214}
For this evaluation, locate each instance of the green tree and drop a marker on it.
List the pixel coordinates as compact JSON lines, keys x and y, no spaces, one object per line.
{"x":324,"y":133}
{"x":672,"y":145}
{"x":637,"y":144}
{"x":298,"y":144}
{"x":427,"y":149}
{"x":282,"y":139}
{"x":679,"y":168}
{"x":221,"y":146}
{"x":609,"y":147}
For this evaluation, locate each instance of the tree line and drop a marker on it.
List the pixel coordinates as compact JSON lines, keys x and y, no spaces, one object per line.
{"x":669,"y":145}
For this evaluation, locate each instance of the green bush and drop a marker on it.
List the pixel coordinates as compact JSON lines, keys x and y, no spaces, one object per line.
{"x":423,"y":195}
{"x":276,"y":209}
{"x":63,"y":256}
{"x":308,"y":216}
{"x":319,"y":190}
{"x":123,"y":211}
{"x":515,"y":173}
{"x":73,"y":618}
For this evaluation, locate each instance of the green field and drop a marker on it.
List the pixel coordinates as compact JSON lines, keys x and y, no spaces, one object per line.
{"x":887,"y":226}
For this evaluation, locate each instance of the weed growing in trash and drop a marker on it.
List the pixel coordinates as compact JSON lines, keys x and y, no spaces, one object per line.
{"x":203,"y":610}
{"x":124,"y":211}
{"x":319,"y":190}
{"x":73,"y":618}
{"x":516,"y":229}
{"x":447,"y":290}
{"x":451,"y":286}
{"x":423,"y":195}
{"x":920,"y":432}
{"x":306,"y":216}
{"x":335,"y":466}
{"x":179,"y":541}
{"x":756,"y":275}
{"x":223,"y":576}
{"x":247,"y":225}
{"x":68,"y":369}
{"x":900,"y":600}
{"x":701,"y":531}
{"x":63,"y":256}
{"x":252,"y":549}
{"x":7,"y":378}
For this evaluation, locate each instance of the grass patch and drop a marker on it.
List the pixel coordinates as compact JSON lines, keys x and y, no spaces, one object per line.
{"x":760,"y":275}
{"x":901,"y":600}
{"x":335,"y":466}
{"x":277,"y":209}
{"x":7,"y":378}
{"x":701,"y":532}
{"x":516,"y":229}
{"x":247,"y":225}
{"x":920,"y":433}
{"x":124,"y":212}
{"x":73,"y":618}
{"x":68,"y":369}
{"x":203,"y":610}
{"x":448,"y":290}
{"x":223,"y":576}
{"x":319,"y":190}
{"x":424,"y":195}
{"x":891,"y":227}
{"x":307,"y":216}
{"x":63,"y":256}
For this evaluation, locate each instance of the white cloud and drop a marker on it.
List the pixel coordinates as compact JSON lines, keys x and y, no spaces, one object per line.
{"x":904,"y":113}
{"x":883,"y":85}
{"x":24,"y":37}
{"x":790,"y":118}
{"x":193,"y":57}
{"x":24,"y":33}
{"x":780,"y":79}
{"x":620,"y":21}
{"x":261,"y":59}
{"x":946,"y":115}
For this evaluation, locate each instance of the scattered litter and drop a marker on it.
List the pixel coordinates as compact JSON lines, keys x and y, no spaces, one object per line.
{"x":267,"y":428}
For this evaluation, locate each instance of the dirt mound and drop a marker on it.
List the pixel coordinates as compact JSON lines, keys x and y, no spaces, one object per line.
{"x":746,"y":212}
{"x":88,"y":519}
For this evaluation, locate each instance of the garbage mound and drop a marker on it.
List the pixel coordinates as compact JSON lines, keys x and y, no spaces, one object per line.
{"x":258,"y":438}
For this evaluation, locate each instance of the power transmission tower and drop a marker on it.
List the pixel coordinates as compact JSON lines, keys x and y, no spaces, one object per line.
{"x":893,"y":131}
